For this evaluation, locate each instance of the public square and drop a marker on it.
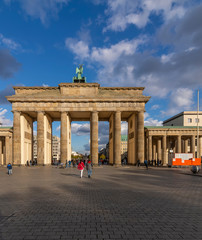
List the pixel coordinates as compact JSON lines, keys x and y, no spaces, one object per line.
{"x":116,"y":203}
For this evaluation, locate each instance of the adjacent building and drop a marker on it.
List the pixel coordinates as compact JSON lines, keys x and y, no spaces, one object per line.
{"x":124,"y":143}
{"x":186,"y":118}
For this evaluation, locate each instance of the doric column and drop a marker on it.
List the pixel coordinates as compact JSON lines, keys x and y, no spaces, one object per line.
{"x":164,"y":160}
{"x":186,"y":145}
{"x":117,"y":138}
{"x":179,"y":144}
{"x":7,"y":145}
{"x":94,"y":137}
{"x":70,"y":142}
{"x":1,"y":159}
{"x":150,"y":147}
{"x":64,"y":137}
{"x":153,"y":150}
{"x":40,"y":138}
{"x":111,"y":139}
{"x":16,"y":138}
{"x":193,"y":145}
{"x":159,"y":148}
{"x":200,"y":146}
{"x":140,"y":136}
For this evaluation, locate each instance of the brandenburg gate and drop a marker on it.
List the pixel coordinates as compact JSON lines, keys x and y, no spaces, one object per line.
{"x":77,"y":102}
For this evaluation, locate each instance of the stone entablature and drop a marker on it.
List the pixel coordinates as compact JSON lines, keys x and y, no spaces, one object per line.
{"x":160,"y":140}
{"x":172,"y":131}
{"x":77,"y":102}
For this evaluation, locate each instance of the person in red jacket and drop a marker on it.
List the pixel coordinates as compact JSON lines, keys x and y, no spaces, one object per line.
{"x":80,"y":168}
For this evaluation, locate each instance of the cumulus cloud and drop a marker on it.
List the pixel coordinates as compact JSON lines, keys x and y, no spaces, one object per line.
{"x":8,"y":64}
{"x":6,"y":92}
{"x":40,"y":9}
{"x":123,"y":13}
{"x":3,"y":120}
{"x":181,"y":99}
{"x":78,"y":47}
{"x":133,"y":63}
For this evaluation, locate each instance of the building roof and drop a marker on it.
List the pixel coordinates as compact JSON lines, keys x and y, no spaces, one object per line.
{"x":171,"y":127}
{"x":124,"y":137}
{"x":181,"y":114}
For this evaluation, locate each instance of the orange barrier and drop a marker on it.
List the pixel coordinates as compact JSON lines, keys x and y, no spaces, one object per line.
{"x":189,"y":162}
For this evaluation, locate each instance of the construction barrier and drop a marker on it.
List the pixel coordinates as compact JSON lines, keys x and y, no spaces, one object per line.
{"x":189,"y":162}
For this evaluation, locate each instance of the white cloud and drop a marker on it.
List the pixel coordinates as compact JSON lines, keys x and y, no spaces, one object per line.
{"x":80,"y":129}
{"x":3,"y":120}
{"x":45,"y":85}
{"x":125,"y":12}
{"x":124,"y":128}
{"x":181,"y":99}
{"x":42,"y":9}
{"x":149,"y":121}
{"x":155,"y":107}
{"x":9,"y":43}
{"x":79,"y":48}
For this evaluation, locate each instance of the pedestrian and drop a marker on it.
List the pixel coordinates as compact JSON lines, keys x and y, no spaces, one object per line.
{"x":89,"y":168}
{"x":138,"y":162}
{"x":30,"y":163}
{"x":69,"y":163}
{"x":66,"y":166}
{"x":80,"y":168}
{"x":27,"y":163}
{"x":9,"y":167}
{"x":146,"y":164}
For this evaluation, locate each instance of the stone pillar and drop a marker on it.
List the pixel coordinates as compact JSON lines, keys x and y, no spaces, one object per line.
{"x":179,"y":144}
{"x":200,"y":146}
{"x":16,"y":138}
{"x":140,"y":136}
{"x":150,"y":147}
{"x":111,"y":139}
{"x":159,"y":149}
{"x":193,"y":145}
{"x":117,"y":138}
{"x":153,"y":150}
{"x":186,"y":145}
{"x":64,"y":137}
{"x":1,"y":159}
{"x":164,"y":160}
{"x":94,"y":137}
{"x":7,"y":145}
{"x":70,"y":142}
{"x":40,"y":138}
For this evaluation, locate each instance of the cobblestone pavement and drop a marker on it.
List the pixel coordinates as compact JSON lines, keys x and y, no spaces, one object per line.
{"x":116,"y":203}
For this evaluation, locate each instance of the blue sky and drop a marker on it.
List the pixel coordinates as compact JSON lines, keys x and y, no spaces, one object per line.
{"x":151,"y":43}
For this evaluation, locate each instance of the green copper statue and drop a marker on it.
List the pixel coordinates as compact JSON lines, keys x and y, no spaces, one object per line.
{"x":79,"y":78}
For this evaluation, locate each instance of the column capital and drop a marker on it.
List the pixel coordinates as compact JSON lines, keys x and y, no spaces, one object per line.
{"x":16,"y":111}
{"x":41,"y":112}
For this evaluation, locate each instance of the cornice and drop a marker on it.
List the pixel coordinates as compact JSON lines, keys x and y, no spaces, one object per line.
{"x":81,"y":100}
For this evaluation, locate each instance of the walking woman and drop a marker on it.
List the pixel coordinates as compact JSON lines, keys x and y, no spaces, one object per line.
{"x":80,"y":168}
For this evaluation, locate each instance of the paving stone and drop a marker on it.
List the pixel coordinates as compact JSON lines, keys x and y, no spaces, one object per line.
{"x":117,"y":203}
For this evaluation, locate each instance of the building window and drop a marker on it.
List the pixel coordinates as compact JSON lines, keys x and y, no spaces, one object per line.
{"x":196,"y":120}
{"x":189,"y":120}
